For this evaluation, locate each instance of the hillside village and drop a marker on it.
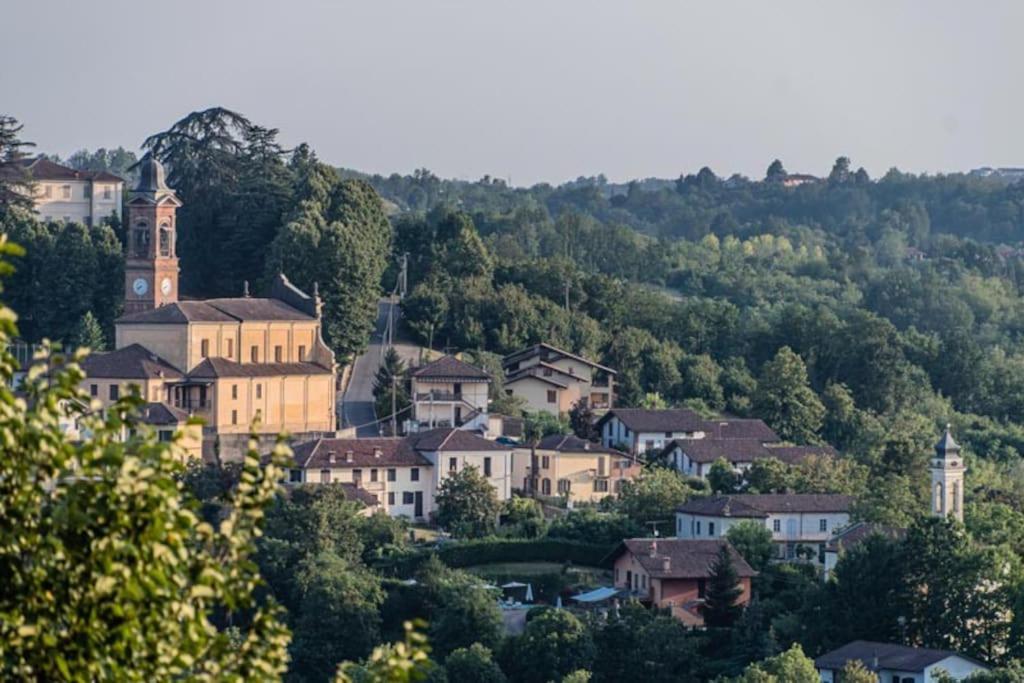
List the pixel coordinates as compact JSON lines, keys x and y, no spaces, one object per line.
{"x":699,"y":516}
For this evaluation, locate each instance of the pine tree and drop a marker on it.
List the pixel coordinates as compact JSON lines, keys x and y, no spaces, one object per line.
{"x":15,"y":182}
{"x":581,"y":417}
{"x":89,"y":334}
{"x":390,"y":379}
{"x":721,"y":608}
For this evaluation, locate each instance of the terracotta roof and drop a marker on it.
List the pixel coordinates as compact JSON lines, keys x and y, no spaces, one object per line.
{"x":44,"y":169}
{"x":736,"y":428}
{"x":686,"y":558}
{"x":385,"y":452}
{"x":857,"y":533}
{"x":451,"y":439}
{"x":217,"y":310}
{"x":451,"y":368}
{"x":645,"y":420}
{"x":222,"y":367}
{"x":761,"y":504}
{"x":888,"y":656}
{"x":163,"y":414}
{"x":130,"y":362}
{"x":570,"y":443}
{"x":537,"y":349}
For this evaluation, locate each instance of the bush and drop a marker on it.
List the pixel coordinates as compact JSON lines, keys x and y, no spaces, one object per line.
{"x":587,"y":525}
{"x":494,"y":550}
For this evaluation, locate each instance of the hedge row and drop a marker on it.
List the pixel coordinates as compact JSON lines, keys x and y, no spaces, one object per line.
{"x":494,"y":550}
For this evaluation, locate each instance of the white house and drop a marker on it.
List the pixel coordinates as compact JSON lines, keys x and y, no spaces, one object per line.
{"x":641,"y":430}
{"x":72,"y":195}
{"x":551,"y":380}
{"x":896,"y":663}
{"x":450,"y":450}
{"x":449,"y":392}
{"x":694,"y":457}
{"x":796,"y":520}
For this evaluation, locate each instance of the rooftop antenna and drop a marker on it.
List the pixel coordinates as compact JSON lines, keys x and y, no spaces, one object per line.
{"x":245,"y":288}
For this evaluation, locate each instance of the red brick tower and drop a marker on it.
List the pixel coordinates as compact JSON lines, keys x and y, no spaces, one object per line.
{"x":151,"y":260}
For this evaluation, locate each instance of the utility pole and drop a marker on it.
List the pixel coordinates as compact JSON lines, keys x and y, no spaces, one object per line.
{"x":567,"y":296}
{"x":394,"y":399}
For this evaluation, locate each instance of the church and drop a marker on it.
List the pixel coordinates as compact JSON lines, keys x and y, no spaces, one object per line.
{"x":244,"y":365}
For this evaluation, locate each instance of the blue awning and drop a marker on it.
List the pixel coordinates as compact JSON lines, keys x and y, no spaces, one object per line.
{"x":597,"y":595}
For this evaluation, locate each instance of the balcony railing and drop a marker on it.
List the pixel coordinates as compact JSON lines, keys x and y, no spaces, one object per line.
{"x":438,"y":396}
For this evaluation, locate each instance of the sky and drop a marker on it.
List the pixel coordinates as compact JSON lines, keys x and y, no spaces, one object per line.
{"x":535,"y":91}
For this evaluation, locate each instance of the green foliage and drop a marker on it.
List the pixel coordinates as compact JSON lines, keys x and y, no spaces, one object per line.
{"x":721,"y":606}
{"x":407,"y":661}
{"x":473,"y":664}
{"x":791,"y":666}
{"x":641,"y":644}
{"x":856,"y":672}
{"x":582,"y":420}
{"x":538,"y":424}
{"x":125,"y":581}
{"x":722,"y":477}
{"x":15,"y":183}
{"x":467,"y":504}
{"x":588,"y":525}
{"x":753,"y":541}
{"x":524,"y":517}
{"x":785,"y":400}
{"x":653,"y":496}
{"x":460,"y":608}
{"x":389,"y":386}
{"x":554,"y":644}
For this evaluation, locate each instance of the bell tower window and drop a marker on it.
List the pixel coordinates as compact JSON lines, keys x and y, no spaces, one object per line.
{"x":140,"y":239}
{"x":165,"y":240}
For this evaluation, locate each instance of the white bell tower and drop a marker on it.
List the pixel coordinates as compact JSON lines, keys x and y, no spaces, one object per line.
{"x":947,"y":470}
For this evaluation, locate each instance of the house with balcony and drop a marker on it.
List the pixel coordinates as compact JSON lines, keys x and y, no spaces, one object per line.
{"x":449,"y":392}
{"x":672,"y":573}
{"x":579,"y":470}
{"x":552,"y":380}
{"x":801,"y":524}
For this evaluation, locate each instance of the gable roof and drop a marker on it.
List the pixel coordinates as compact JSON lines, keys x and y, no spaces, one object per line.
{"x":532,"y":373}
{"x":740,"y":428}
{"x":856,"y":534}
{"x":44,"y":169}
{"x":762,"y":504}
{"x":451,"y":368}
{"x":686,"y":558}
{"x":570,"y":443}
{"x":217,"y":310}
{"x":537,"y":349}
{"x":383,"y":452}
{"x":353,"y":492}
{"x":645,"y":420}
{"x":210,"y":368}
{"x":888,"y":655}
{"x":710,"y":450}
{"x":444,"y":439}
{"x":129,"y":362}
{"x":163,"y":414}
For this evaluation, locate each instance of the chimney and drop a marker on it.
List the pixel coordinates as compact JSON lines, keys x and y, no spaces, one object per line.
{"x":666,"y":563}
{"x":348,"y":456}
{"x":654,"y":547}
{"x":331,"y":458}
{"x":245,"y":289}
{"x":377,"y":453}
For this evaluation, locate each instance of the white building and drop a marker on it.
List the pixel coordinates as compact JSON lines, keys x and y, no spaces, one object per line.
{"x":451,"y":450}
{"x":896,"y":663}
{"x":640,"y":430}
{"x":70,"y":195}
{"x":799,"y":522}
{"x":552,"y":380}
{"x":449,"y":393}
{"x":947,"y":470}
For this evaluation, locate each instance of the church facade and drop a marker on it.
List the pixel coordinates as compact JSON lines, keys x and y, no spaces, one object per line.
{"x":243,"y":364}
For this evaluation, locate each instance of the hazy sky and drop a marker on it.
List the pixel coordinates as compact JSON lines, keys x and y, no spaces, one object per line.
{"x":536,"y":90}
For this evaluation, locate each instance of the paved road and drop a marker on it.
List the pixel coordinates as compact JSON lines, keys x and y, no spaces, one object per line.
{"x":357,"y":402}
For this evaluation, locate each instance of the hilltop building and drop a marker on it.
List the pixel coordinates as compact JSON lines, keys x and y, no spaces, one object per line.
{"x":242,"y":364}
{"x":552,"y":380}
{"x":948,"y":469}
{"x":72,"y":195}
{"x":449,"y":392}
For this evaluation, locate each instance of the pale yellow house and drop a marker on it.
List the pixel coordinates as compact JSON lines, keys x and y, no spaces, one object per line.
{"x":72,"y":195}
{"x":449,"y":392}
{"x":552,"y":380}
{"x":565,"y":465}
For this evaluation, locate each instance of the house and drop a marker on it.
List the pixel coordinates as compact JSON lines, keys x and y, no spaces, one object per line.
{"x":166,"y":421}
{"x":694,"y":457}
{"x":639,"y":430}
{"x":395,"y":474}
{"x":852,"y":536}
{"x":672,"y":573}
{"x":552,"y":380}
{"x":72,"y":195}
{"x":896,"y":663}
{"x":798,"y":179}
{"x":449,"y":392}
{"x":242,"y":364}
{"x":451,"y":450}
{"x":797,"y":520}
{"x":566,"y":465}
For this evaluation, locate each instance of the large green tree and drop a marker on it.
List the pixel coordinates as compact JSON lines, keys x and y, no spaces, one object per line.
{"x":15,"y":182}
{"x":467,"y":504}
{"x":785,"y":400}
{"x":554,"y":644}
{"x":721,"y":606}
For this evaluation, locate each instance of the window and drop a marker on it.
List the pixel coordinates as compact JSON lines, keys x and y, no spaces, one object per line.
{"x":357,"y":476}
{"x":547,"y":372}
{"x":325,"y":476}
{"x":107,"y":193}
{"x":392,"y":474}
{"x":165,"y":240}
{"x":453,"y":464}
{"x":87,"y":191}
{"x":94,"y":390}
{"x":258,"y":417}
{"x":277,"y":354}
{"x":165,"y":435}
{"x":115,"y":392}
{"x":259,"y":390}
{"x":701,"y":585}
{"x":668,"y":435}
{"x":487,"y":466}
{"x":552,"y":396}
{"x":48,"y":191}
{"x":234,"y":417}
{"x":711,"y":528}
{"x":234,"y":391}
{"x":545,"y":487}
{"x":563,"y":486}
{"x":698,"y":528}
{"x":649,"y":445}
{"x":231,"y":348}
{"x":601,"y":486}
{"x":302,"y":352}
{"x":414,"y":474}
{"x":391,"y":497}
{"x":407,"y":498}
{"x":373,"y":474}
{"x":254,"y":354}
{"x":295,"y":476}
{"x":204,"y":348}
{"x":776,"y":525}
{"x":822,"y":525}
{"x":545,"y":462}
{"x":65,"y":191}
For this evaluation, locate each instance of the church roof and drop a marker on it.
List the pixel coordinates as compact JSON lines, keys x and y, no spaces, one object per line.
{"x":130,"y":362}
{"x":217,"y":310}
{"x":222,"y":367}
{"x":946,"y":444}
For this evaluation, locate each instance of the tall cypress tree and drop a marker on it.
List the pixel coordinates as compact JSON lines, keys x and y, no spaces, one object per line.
{"x":721,"y":608}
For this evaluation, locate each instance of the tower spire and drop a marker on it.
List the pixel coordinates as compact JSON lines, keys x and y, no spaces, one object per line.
{"x":947,"y":470}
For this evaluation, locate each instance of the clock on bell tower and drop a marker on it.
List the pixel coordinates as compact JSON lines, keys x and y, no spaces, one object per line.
{"x":151,"y":260}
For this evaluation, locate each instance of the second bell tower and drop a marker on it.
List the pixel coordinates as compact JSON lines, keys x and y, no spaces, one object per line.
{"x":151,"y":260}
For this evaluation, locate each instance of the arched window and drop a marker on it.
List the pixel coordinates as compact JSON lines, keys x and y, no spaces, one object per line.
{"x":141,"y":239}
{"x":956,"y":496}
{"x":165,"y":240}
{"x":545,"y":487}
{"x":939,"y":498}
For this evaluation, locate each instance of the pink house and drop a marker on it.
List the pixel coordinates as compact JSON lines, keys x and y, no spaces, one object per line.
{"x":672,"y":573}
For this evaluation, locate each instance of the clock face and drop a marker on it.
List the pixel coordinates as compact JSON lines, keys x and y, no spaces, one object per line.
{"x":166,"y":286}
{"x":140,"y":286}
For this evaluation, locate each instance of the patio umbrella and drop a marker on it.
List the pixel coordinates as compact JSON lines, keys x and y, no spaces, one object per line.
{"x":529,"y":592}
{"x":558,"y":602}
{"x":513,"y":584}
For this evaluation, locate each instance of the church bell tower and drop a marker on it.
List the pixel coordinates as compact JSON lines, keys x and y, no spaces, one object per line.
{"x":947,"y":468}
{"x":151,"y":260}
